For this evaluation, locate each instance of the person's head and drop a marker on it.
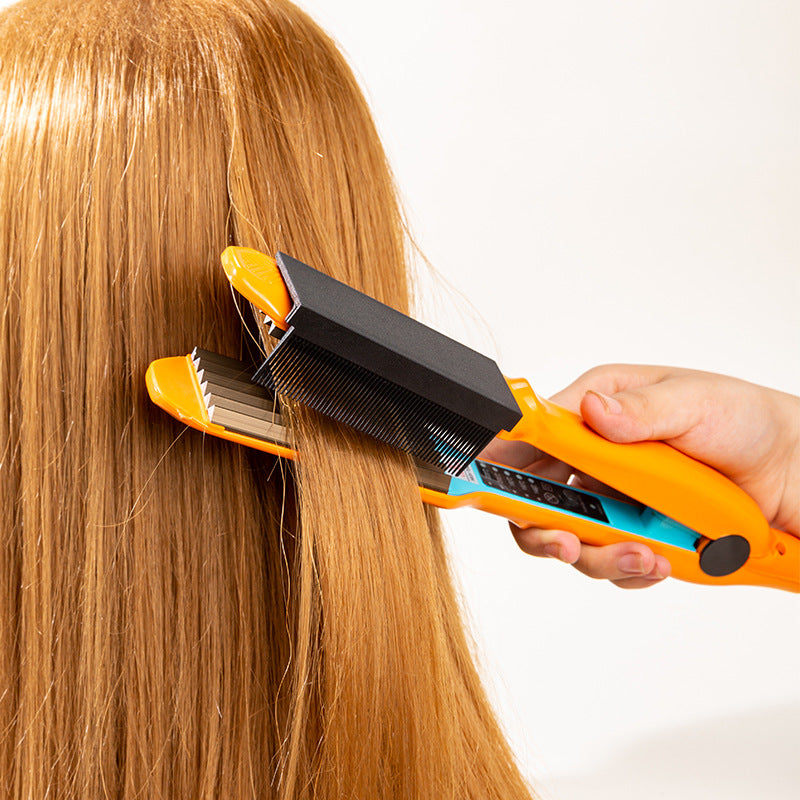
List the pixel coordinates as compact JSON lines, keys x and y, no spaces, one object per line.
{"x":181,"y":617}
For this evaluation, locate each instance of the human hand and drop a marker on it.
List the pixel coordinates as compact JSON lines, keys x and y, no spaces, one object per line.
{"x":749,"y":433}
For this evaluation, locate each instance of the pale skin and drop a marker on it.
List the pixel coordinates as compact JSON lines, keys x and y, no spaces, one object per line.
{"x":749,"y":433}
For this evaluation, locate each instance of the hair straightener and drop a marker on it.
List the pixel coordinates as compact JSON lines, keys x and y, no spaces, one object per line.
{"x":383,"y":373}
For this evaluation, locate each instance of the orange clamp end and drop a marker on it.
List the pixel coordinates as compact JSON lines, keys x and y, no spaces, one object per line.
{"x":172,"y":384}
{"x":256,"y":276}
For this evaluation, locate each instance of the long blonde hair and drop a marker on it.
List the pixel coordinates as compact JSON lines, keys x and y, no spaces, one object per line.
{"x":180,"y":617}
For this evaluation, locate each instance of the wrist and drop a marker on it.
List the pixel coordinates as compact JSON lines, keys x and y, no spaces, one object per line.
{"x":788,"y":416}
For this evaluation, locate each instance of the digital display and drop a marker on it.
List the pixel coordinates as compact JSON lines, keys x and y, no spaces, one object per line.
{"x":532,"y":488}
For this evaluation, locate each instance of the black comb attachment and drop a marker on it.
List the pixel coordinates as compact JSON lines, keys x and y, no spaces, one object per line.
{"x":383,"y":373}
{"x":373,"y":405}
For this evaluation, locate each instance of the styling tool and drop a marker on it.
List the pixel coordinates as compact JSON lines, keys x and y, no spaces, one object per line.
{"x":383,"y":373}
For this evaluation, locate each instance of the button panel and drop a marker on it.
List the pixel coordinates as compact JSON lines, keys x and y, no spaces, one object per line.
{"x":541,"y":491}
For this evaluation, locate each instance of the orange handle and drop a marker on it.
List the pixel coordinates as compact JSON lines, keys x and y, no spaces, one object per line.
{"x":780,"y":569}
{"x":667,"y":480}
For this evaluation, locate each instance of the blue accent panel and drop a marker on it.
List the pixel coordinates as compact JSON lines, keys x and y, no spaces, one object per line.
{"x":629,"y":517}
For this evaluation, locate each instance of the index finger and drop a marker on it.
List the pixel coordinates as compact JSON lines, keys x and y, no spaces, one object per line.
{"x":609,"y":379}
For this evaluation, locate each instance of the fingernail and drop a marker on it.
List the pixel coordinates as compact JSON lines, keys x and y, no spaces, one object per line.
{"x":631,"y":564}
{"x":554,"y":551}
{"x":610,"y":405}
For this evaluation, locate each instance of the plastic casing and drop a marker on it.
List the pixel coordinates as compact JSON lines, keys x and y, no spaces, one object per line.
{"x":653,"y":473}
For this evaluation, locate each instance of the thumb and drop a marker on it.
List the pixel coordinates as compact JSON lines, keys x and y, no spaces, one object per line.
{"x":653,"y":412}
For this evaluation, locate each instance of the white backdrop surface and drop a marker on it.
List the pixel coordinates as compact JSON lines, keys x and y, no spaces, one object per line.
{"x":608,"y":180}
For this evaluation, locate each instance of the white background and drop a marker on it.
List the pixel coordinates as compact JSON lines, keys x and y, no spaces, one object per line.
{"x":608,"y":181}
{"x":601,"y":180}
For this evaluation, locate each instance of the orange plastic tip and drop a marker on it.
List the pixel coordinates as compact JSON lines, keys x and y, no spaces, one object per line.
{"x":173,"y":385}
{"x":256,"y":276}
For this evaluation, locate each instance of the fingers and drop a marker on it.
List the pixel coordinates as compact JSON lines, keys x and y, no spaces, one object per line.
{"x":561,"y":545}
{"x":624,"y":404}
{"x":629,"y":565}
{"x":609,"y":380}
{"x":646,"y":413}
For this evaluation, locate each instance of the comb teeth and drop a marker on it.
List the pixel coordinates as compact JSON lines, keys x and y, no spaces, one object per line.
{"x":372,"y":404}
{"x":241,"y":406}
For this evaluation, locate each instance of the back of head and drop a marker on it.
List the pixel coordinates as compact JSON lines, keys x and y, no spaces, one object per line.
{"x":181,"y":617}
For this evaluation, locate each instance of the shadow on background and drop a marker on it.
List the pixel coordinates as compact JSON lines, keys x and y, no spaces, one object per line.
{"x":754,"y":756}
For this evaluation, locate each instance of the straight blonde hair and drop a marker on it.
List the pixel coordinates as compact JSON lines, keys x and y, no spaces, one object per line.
{"x":181,"y":617}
